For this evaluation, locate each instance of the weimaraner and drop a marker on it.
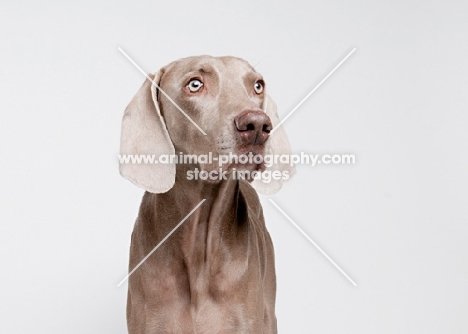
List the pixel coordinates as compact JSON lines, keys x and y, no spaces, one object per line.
{"x":216,"y":272}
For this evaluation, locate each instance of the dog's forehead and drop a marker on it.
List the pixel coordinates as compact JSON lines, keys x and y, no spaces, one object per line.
{"x":226,"y":64}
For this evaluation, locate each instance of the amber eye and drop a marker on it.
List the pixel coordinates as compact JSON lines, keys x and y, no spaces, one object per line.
{"x":258,"y":87}
{"x":194,"y":85}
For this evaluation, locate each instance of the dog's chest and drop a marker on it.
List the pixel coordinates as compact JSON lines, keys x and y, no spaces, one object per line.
{"x":208,"y":317}
{"x":226,"y":297}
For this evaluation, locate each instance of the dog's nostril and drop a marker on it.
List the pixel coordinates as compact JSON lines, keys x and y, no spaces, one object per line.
{"x":266,"y":128}
{"x":250,"y":127}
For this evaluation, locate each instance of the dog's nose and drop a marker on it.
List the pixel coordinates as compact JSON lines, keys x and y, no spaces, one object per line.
{"x":253,"y":126}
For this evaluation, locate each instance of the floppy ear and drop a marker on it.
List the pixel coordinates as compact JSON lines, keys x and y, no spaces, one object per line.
{"x":277,"y":144}
{"x":144,"y":133}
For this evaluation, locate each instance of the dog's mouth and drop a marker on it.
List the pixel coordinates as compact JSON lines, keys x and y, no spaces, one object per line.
{"x":247,"y":159}
{"x":241,"y":159}
{"x":235,"y":154}
{"x":247,"y":167}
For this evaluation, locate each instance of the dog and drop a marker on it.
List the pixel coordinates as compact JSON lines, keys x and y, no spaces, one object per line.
{"x":216,"y":272}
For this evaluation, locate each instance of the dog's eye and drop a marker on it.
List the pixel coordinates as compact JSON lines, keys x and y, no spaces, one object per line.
{"x":194,"y":85}
{"x":258,"y":87}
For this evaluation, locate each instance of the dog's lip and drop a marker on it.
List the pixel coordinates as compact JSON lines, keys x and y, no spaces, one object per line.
{"x":260,"y":167}
{"x":247,"y":167}
{"x":254,"y":152}
{"x":254,"y":149}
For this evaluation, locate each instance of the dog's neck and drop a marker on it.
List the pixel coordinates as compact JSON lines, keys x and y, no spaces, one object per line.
{"x":195,"y":190}
{"x":215,"y":236}
{"x":222,"y":216}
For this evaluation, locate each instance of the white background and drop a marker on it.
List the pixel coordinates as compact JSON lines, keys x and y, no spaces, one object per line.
{"x":396,"y":221}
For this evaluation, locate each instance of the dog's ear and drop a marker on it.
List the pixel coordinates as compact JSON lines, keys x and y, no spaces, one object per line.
{"x":277,"y":144}
{"x":144,"y":133}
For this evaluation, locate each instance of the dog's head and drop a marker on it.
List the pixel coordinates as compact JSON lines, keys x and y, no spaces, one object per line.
{"x":223,"y":97}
